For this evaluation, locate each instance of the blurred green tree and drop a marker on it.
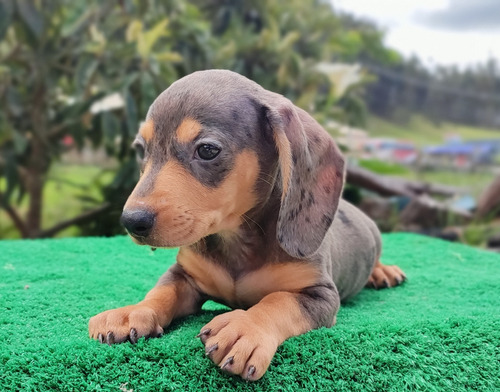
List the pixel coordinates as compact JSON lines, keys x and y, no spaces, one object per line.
{"x":57,"y":61}
{"x":62,"y":62}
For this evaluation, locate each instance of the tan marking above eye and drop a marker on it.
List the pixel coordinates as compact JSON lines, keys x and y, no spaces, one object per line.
{"x":188,"y":130}
{"x":147,"y":130}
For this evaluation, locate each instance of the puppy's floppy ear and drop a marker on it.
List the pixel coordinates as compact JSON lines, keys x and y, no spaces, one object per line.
{"x":312,"y":174}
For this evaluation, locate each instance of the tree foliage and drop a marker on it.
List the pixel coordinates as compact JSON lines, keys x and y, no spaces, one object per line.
{"x":59,"y":58}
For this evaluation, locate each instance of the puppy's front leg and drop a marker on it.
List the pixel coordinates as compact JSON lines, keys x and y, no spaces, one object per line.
{"x":244,"y":342}
{"x":172,"y":297}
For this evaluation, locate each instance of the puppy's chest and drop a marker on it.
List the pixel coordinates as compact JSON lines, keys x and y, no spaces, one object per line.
{"x":250,"y":286}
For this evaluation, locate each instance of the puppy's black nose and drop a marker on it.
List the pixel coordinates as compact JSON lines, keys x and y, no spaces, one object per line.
{"x":138,"y":223}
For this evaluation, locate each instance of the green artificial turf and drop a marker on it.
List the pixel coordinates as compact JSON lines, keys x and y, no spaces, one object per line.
{"x":440,"y":331}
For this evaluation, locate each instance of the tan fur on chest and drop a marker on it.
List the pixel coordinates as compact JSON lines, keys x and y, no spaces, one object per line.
{"x":249,"y":288}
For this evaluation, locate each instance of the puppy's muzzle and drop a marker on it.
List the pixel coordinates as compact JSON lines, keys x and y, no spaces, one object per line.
{"x":138,"y":223}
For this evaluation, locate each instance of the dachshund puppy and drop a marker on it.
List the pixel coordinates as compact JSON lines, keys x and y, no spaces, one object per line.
{"x":249,"y":187}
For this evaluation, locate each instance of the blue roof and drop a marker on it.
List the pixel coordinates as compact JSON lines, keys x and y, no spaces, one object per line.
{"x":460,"y":149}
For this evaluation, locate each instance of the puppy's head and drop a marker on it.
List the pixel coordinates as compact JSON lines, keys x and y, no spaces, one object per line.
{"x":202,"y":155}
{"x":213,"y":147}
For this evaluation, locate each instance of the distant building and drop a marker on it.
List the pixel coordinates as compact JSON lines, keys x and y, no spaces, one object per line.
{"x":391,"y":150}
{"x":461,"y":155}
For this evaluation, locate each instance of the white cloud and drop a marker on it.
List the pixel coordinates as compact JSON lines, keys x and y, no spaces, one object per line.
{"x":434,"y":44}
{"x":460,"y":15}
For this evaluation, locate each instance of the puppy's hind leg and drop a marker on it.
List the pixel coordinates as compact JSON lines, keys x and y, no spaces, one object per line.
{"x":384,"y":276}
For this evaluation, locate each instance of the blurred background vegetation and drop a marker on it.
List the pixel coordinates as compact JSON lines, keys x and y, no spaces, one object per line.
{"x":76,"y":79}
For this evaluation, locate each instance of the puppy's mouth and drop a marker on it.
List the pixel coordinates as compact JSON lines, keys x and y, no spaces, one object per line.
{"x":145,"y":228}
{"x":138,"y":239}
{"x":155,"y":242}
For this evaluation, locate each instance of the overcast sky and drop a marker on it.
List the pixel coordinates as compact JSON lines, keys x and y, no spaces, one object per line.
{"x":462,"y":32}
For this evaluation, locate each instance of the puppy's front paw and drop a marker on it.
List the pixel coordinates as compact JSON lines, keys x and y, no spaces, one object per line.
{"x":122,"y":324}
{"x":238,"y":344}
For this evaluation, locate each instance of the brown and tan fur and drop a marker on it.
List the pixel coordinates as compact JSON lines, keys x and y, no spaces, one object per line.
{"x":261,"y":225}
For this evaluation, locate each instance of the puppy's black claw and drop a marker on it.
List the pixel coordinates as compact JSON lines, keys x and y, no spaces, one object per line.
{"x":251,"y":372}
{"x":110,"y":338}
{"x":385,"y":284}
{"x":203,"y":335}
{"x":228,"y":362}
{"x":100,"y":337}
{"x":204,"y":332}
{"x":211,"y":349}
{"x":133,"y":336}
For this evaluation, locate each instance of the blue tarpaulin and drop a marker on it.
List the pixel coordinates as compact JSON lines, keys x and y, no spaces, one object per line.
{"x":461,"y":149}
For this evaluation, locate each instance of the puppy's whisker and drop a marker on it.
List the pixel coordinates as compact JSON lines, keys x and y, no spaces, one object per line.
{"x":245,"y":217}
{"x":269,"y":177}
{"x":262,"y":179}
{"x":272,"y":177}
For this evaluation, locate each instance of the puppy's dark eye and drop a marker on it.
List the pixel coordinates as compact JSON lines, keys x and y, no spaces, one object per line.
{"x":208,"y":151}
